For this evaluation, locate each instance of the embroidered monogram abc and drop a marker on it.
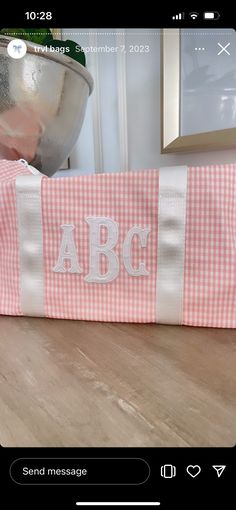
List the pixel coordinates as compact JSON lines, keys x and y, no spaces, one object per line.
{"x":67,"y":250}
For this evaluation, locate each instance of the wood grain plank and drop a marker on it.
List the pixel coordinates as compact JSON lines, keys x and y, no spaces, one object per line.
{"x":71,"y":383}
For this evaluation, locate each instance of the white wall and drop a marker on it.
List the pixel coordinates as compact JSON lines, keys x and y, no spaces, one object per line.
{"x":126,"y":101}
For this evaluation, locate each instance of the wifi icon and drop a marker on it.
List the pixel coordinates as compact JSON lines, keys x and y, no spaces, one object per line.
{"x":194,"y":15}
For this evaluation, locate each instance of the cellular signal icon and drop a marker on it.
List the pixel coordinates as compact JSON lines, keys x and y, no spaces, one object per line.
{"x":178,"y":16}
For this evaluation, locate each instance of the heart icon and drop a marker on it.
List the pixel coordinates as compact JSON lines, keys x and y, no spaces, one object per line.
{"x":193,"y":470}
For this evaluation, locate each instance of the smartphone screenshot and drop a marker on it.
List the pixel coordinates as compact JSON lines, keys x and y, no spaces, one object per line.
{"x":118,"y":259}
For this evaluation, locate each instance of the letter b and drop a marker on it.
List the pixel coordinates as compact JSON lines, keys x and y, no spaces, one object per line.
{"x":96,"y":249}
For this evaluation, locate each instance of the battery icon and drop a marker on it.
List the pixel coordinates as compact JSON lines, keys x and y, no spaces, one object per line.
{"x":211,"y":15}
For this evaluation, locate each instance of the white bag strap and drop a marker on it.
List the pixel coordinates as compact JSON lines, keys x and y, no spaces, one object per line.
{"x":171,"y":244}
{"x":29,"y":218}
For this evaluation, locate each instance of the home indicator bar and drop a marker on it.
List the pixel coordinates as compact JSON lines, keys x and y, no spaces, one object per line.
{"x":118,"y":503}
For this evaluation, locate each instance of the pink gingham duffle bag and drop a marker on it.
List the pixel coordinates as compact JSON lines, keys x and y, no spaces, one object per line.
{"x":147,"y":246}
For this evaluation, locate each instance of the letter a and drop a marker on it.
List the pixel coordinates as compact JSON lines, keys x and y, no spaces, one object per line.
{"x":67,"y":252}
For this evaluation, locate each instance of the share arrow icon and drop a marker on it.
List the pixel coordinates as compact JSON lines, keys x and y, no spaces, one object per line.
{"x":219,"y":470}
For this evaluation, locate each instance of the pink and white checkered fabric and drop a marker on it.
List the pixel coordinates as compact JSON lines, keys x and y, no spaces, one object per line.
{"x":210,"y":247}
{"x":129,"y":199}
{"x":209,"y":292}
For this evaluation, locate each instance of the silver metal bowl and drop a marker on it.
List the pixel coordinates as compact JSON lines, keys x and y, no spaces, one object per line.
{"x":43,"y":98}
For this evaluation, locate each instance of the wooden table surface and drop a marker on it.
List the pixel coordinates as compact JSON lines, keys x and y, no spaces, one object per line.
{"x":69,"y":383}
